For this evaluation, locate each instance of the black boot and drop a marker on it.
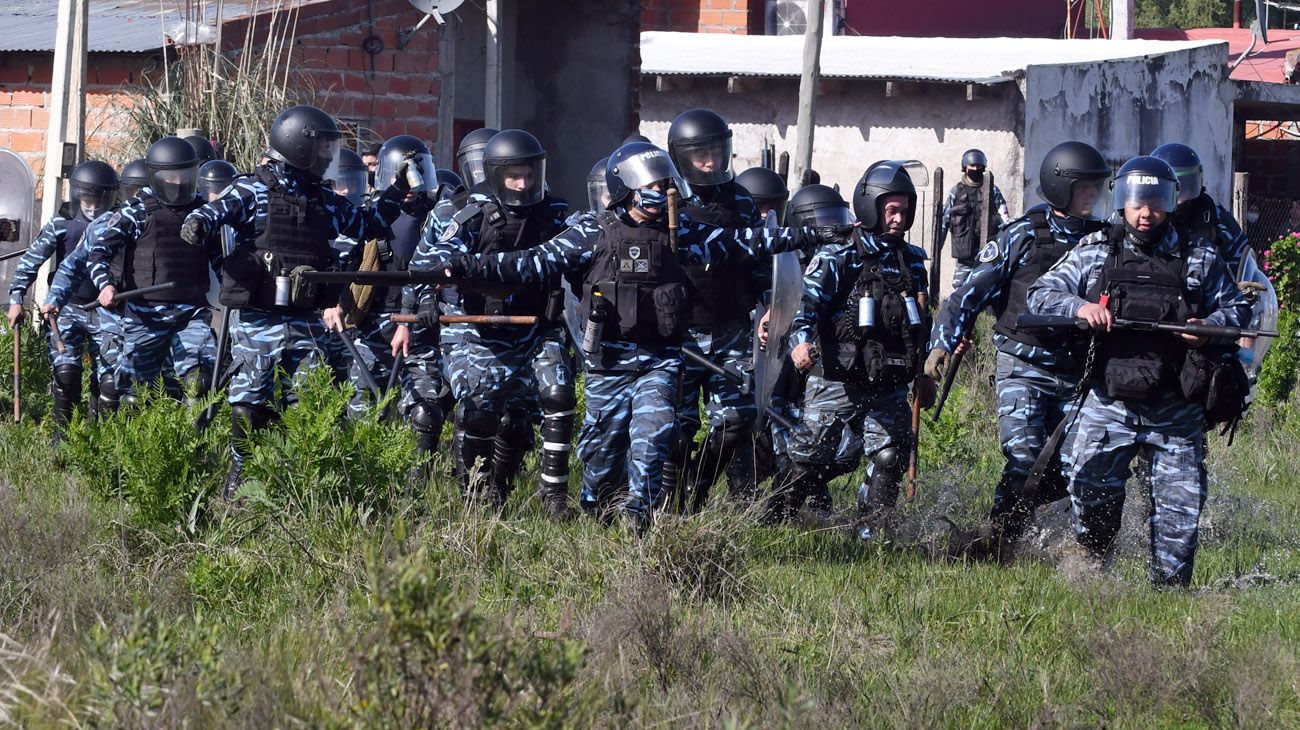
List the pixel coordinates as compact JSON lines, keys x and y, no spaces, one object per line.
{"x":426,"y":421}
{"x":245,"y":420}
{"x":66,"y":387}
{"x":472,"y":442}
{"x":791,"y":486}
{"x":710,"y":461}
{"x":558,"y":404}
{"x":876,"y":508}
{"x":512,"y":442}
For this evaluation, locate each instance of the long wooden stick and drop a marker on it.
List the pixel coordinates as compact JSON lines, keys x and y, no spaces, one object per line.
{"x":490,"y":319}
{"x":672,"y":218}
{"x":18,"y":370}
{"x":916,"y":440}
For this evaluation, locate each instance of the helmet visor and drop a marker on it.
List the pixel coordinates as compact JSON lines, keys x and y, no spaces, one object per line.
{"x":517,"y":183}
{"x":644,"y":168}
{"x":1142,"y":191}
{"x":1189,"y":182}
{"x":327,"y":149}
{"x":705,"y":161}
{"x":210,"y":189}
{"x":175,"y":186}
{"x":352,"y":185}
{"x":822,"y":215}
{"x":471,"y":165}
{"x":597,"y":194}
{"x":775,"y":207}
{"x":93,"y":199}
{"x":420,"y":174}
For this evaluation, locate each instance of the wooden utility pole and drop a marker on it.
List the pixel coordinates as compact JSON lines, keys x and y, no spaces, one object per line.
{"x":812,"y":71}
{"x":494,"y":50}
{"x":1121,"y":20}
{"x":447,"y":91}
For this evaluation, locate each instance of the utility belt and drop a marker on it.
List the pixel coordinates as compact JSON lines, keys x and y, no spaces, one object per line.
{"x":1211,"y":376}
{"x":266,"y":280}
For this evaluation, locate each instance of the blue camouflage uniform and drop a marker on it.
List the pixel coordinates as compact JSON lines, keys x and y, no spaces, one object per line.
{"x":631,"y":386}
{"x":1037,"y":375}
{"x":1201,"y":217}
{"x":1112,"y":429}
{"x":878,"y":417}
{"x":269,"y":345}
{"x":965,"y":264}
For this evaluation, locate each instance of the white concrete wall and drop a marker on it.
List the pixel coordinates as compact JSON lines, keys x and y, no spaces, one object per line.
{"x":933,"y":123}
{"x":1128,"y":107}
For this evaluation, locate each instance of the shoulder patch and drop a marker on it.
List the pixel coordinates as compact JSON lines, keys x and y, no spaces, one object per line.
{"x":449,"y":232}
{"x":813,"y":265}
{"x":990,"y":252}
{"x":115,"y":219}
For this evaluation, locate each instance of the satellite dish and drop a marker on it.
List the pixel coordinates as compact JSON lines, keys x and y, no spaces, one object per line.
{"x":436,"y":8}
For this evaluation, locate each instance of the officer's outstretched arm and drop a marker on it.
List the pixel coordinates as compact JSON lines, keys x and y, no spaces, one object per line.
{"x":703,"y":244}
{"x":30,"y":263}
{"x":570,"y":251}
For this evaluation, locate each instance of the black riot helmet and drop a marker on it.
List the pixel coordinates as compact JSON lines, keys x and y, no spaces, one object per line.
{"x":514,"y":163}
{"x":882,"y":179}
{"x":350,"y":175}
{"x":173,"y":170}
{"x":1187,"y":166}
{"x":1146,"y":182}
{"x":214,"y":177}
{"x":974,"y":157}
{"x":597,"y":188}
{"x":700,"y":144}
{"x":305,"y":138}
{"x":469,"y":156}
{"x":767,"y":188}
{"x":636,"y":165}
{"x":134,"y":177}
{"x":93,"y":187}
{"x":395,"y":151}
{"x":449,"y":180}
{"x":818,"y":205}
{"x":202,"y":147}
{"x":1066,"y":165}
{"x":635,"y":137}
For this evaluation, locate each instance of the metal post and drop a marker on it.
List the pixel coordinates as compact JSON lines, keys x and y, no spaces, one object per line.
{"x":493,"y":49}
{"x":1241,"y":198}
{"x":807,"y":121}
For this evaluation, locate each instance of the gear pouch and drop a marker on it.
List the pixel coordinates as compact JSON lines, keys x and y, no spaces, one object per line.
{"x":1134,"y":377}
{"x":672,"y":309}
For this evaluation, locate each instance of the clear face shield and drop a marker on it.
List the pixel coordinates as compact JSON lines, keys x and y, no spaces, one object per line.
{"x":1089,"y":198}
{"x":1263,"y":305}
{"x":597,"y":194}
{"x":705,"y":161}
{"x":646,"y":168}
{"x":421,"y":171}
{"x":822,"y":215}
{"x":92,"y":200}
{"x":471,"y":165}
{"x":175,"y":186}
{"x":1189,"y":183}
{"x":518,"y":184}
{"x":327,"y":149}
{"x":1145,"y":191}
{"x":212,"y":189}
{"x":773,"y":210}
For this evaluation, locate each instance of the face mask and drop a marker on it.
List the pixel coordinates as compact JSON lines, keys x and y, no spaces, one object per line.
{"x":651,"y":198}
{"x":976,"y":176}
{"x":1252,"y":217}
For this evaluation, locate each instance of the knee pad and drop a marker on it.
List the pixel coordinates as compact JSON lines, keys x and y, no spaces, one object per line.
{"x":425,"y":416}
{"x":246,"y":418}
{"x":516,"y":427}
{"x":67,"y":381}
{"x":476,"y":423}
{"x":889,"y":459}
{"x":558,"y":399}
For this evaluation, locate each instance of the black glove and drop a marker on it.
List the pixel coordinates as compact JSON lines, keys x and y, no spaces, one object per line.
{"x":458,"y":267}
{"x":834,"y":234}
{"x":427,"y":317}
{"x":194,"y":231}
{"x":400,"y":183}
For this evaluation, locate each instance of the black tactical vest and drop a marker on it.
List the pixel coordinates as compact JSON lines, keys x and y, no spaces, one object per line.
{"x":641,"y":280}
{"x":298,"y":232}
{"x":885,"y":356}
{"x":1047,"y":250}
{"x":86,"y":290}
{"x":964,"y":222}
{"x":501,"y":232}
{"x":395,"y":255}
{"x":1198,"y":219}
{"x":1142,"y":285}
{"x":160,"y":256}
{"x":724,"y":291}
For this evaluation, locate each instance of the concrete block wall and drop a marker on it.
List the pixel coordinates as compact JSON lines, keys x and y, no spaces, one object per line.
{"x":703,"y":16}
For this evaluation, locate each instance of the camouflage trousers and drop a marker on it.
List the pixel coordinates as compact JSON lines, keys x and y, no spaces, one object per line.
{"x":83,"y":335}
{"x":420,"y":379}
{"x":724,"y":403}
{"x":1032,"y":401}
{"x":156,"y":336}
{"x":1109,"y":434}
{"x":834,"y":411}
{"x":493,"y":374}
{"x":627,"y":431}
{"x":267,"y":349}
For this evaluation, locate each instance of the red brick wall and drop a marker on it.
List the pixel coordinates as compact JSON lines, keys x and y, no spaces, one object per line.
{"x":703,"y":16}
{"x":401,"y":97}
{"x":1266,"y":161}
{"x":25,"y":100}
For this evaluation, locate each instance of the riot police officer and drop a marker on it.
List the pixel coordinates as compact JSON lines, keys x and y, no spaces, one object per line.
{"x":94,"y":187}
{"x":203,"y":148}
{"x":1198,"y":215}
{"x":1036,"y":372}
{"x":864,"y":307}
{"x":284,"y":218}
{"x":214,"y":177}
{"x":962,"y":211}
{"x":769,"y":191}
{"x":469,"y":156}
{"x":1143,"y":268}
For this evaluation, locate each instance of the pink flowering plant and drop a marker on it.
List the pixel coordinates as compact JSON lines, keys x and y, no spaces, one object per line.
{"x":1277,"y":375}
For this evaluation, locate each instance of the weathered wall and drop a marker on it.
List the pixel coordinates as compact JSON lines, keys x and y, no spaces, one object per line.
{"x":704,"y":16}
{"x":858,"y":124}
{"x":1127,"y":107}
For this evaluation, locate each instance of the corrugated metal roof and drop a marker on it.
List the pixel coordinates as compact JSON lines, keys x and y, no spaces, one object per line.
{"x":957,"y":60}
{"x":115,"y":25}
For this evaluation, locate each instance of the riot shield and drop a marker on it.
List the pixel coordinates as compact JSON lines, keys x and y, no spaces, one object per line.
{"x":1263,"y":306}
{"x":787,"y":292}
{"x":17,"y":208}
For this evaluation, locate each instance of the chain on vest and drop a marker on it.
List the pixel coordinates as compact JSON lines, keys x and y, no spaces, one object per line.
{"x":884,"y":353}
{"x":724,"y":291}
{"x":159,"y":255}
{"x":501,"y":232}
{"x":1142,"y":285}
{"x":964,"y":222}
{"x":298,"y":230}
{"x":1047,"y":250}
{"x":643,"y":285}
{"x":86,"y":291}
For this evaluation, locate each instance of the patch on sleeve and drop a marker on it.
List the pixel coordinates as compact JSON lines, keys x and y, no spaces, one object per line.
{"x":812,"y":267}
{"x":449,"y":232}
{"x":117,"y":217}
{"x":990,"y":252}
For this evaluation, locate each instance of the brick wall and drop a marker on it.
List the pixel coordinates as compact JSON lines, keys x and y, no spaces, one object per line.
{"x":25,"y":101}
{"x":1273,"y":168}
{"x":703,"y":16}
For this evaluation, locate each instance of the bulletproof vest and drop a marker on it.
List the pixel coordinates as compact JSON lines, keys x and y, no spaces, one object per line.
{"x":395,"y":255}
{"x":964,"y":222}
{"x":642,"y":282}
{"x":884,"y":356}
{"x":86,"y":290}
{"x":160,"y":256}
{"x":499,"y":231}
{"x":298,"y":231}
{"x":724,"y":292}
{"x":1142,"y":285}
{"x":1047,"y":250}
